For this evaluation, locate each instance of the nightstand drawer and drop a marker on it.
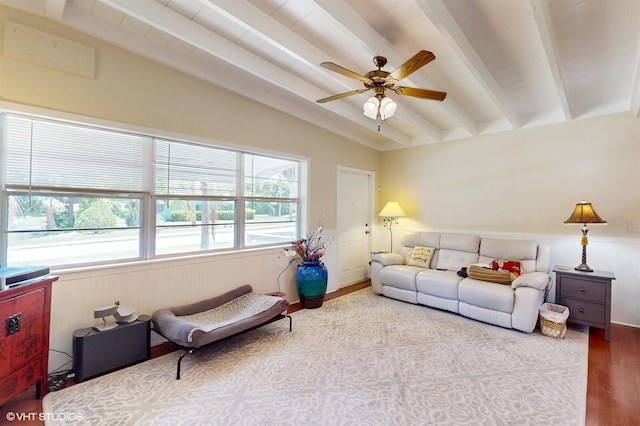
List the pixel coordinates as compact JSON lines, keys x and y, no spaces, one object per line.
{"x":583,"y":289}
{"x":584,"y":311}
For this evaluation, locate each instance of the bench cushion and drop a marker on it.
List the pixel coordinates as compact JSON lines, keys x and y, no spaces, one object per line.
{"x":198,"y":324}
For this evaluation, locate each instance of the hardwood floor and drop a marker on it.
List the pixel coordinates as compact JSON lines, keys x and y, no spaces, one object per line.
{"x":613,"y":390}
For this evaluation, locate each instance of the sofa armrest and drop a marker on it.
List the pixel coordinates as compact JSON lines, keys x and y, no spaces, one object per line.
{"x":538,"y":280}
{"x":387,"y":259}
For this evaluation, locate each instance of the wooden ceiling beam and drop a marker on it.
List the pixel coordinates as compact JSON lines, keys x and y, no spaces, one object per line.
{"x":547,"y":36}
{"x":438,"y":14}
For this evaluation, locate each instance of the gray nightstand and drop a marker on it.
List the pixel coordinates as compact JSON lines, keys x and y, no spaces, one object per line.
{"x":587,"y":295}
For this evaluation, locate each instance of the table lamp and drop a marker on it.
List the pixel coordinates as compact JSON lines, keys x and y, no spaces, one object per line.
{"x":584,"y":214}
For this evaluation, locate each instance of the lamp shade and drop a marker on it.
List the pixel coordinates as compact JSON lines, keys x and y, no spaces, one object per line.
{"x":583,"y":214}
{"x":370,"y":108}
{"x":387,"y":108}
{"x":391,"y":209}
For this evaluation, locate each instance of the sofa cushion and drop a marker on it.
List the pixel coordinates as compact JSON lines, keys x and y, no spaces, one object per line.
{"x":421,"y":256}
{"x":524,"y":251}
{"x":453,"y":260}
{"x":442,"y":284}
{"x":460,"y":242}
{"x":427,"y":239}
{"x":486,"y":295}
{"x":424,"y":239}
{"x":400,"y":276}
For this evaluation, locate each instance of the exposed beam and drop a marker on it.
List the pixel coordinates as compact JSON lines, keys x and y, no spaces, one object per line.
{"x":163,"y":18}
{"x":54,"y":9}
{"x":374,"y":44}
{"x":288,"y":42}
{"x":635,"y":90}
{"x":102,"y":29}
{"x":438,"y":14}
{"x":547,"y":36}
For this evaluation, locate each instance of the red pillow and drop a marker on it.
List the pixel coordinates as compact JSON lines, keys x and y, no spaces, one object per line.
{"x":513,"y":266}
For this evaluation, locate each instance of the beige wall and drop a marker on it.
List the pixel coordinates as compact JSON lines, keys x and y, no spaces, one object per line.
{"x":135,"y":93}
{"x":525,"y":183}
{"x":527,"y":180}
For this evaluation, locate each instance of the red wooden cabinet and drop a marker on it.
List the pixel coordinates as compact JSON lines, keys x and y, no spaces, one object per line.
{"x":24,"y":337}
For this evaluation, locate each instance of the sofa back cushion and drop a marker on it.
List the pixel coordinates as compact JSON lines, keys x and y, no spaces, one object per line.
{"x":425,"y":239}
{"x":457,"y":251}
{"x":454,"y":260}
{"x":460,"y":242}
{"x":420,"y":239}
{"x":523,"y":251}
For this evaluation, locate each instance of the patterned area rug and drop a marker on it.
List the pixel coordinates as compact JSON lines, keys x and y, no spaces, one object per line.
{"x":359,"y":359}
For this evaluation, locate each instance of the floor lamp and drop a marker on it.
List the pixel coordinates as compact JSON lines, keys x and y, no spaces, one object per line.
{"x":584,"y":214}
{"x":390,"y":214}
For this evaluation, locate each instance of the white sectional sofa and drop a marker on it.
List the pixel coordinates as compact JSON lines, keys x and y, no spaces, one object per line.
{"x":438,"y":284}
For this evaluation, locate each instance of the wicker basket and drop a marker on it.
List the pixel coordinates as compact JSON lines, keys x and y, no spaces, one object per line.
{"x":553,"y":320}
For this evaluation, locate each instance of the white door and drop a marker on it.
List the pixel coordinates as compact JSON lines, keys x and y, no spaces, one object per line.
{"x":354,"y":207}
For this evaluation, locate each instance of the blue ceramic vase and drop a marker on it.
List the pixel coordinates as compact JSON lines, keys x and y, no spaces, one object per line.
{"x":311,"y":281}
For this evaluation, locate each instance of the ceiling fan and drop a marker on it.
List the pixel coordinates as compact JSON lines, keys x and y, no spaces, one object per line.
{"x":379,"y":107}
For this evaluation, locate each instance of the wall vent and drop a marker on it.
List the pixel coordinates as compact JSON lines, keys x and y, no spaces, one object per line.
{"x":38,"y":47}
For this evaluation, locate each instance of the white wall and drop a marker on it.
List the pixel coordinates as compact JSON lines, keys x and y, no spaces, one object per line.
{"x":526,"y":183}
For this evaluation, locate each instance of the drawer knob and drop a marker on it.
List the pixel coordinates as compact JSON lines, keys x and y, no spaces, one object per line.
{"x":581,"y":310}
{"x":582,"y":289}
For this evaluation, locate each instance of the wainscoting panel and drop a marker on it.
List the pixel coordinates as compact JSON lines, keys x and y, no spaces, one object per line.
{"x":153,"y":285}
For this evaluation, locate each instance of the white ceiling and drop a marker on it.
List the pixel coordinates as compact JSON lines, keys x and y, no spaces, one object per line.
{"x":505,"y":64}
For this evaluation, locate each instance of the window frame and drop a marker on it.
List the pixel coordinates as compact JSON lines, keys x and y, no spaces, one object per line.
{"x":148,"y":200}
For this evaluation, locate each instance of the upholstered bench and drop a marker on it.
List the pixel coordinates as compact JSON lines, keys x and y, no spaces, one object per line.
{"x":202,"y":323}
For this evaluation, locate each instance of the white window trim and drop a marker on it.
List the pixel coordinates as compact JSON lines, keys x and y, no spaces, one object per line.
{"x":147,"y":228}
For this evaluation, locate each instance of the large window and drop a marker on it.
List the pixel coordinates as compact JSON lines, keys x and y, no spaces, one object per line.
{"x":75,"y":195}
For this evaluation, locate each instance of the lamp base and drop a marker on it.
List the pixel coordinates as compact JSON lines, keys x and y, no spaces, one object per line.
{"x":584,"y":268}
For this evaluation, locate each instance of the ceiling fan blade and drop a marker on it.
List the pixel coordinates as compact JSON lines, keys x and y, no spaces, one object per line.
{"x":341,"y":95}
{"x":420,"y":93}
{"x":416,"y":62}
{"x":342,"y":70}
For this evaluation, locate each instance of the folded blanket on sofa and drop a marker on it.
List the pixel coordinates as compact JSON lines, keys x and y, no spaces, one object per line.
{"x":486,"y":274}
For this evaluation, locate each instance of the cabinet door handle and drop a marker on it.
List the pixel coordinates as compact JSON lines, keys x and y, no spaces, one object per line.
{"x":13,"y":324}
{"x":582,"y":289}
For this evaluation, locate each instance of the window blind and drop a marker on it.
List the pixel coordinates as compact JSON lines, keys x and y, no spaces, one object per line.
{"x":270,"y":177}
{"x":183,"y":169}
{"x":46,"y":154}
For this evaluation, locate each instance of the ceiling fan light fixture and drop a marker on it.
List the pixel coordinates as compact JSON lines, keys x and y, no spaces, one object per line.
{"x":387,"y":108}
{"x":370,"y":108}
